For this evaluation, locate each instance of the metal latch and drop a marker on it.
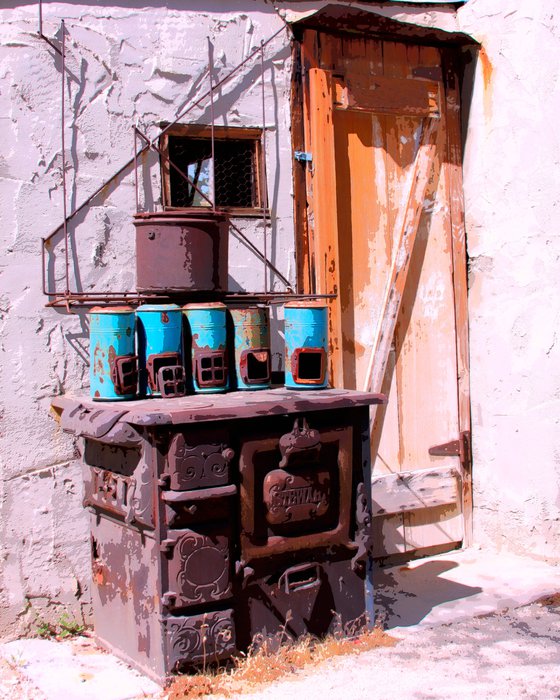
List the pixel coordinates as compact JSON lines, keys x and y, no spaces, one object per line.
{"x":303,"y":157}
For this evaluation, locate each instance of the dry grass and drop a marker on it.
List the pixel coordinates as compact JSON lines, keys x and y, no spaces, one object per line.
{"x":259,"y":666}
{"x":550,"y":601}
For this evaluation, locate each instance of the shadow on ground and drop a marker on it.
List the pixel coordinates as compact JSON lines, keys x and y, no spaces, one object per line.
{"x":404,"y":595}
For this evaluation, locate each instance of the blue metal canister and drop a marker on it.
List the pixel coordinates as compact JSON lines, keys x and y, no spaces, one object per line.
{"x":208,"y":341}
{"x":251,"y":332}
{"x":160,"y":351}
{"x":113,"y":369}
{"x":306,"y":335}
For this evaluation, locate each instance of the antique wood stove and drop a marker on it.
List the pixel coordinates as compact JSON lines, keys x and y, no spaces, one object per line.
{"x":220,"y":520}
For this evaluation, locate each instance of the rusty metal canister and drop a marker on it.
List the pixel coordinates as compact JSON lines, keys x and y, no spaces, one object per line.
{"x":208,"y":341}
{"x":113,"y":369}
{"x":160,"y":351}
{"x":251,"y":341}
{"x":306,"y":336}
{"x":181,"y":252}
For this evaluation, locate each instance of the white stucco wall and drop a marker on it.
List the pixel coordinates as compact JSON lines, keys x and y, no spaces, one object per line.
{"x":126,"y":65}
{"x":512,"y":202}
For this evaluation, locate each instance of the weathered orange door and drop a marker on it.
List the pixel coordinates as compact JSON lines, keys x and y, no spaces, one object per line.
{"x":384,"y":232}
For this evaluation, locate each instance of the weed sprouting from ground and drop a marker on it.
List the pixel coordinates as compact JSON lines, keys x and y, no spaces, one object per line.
{"x":266,"y":663}
{"x":64,"y":628}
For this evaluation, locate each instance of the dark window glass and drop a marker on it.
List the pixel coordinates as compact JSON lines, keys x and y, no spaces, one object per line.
{"x":234,"y":172}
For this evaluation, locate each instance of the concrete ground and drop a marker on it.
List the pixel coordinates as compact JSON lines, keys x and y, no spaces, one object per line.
{"x":467,"y":623}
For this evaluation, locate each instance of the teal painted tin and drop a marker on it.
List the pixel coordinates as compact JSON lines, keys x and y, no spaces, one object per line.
{"x":113,"y":369}
{"x":251,"y":347}
{"x":207,"y":334}
{"x":160,"y":353}
{"x":306,"y":337}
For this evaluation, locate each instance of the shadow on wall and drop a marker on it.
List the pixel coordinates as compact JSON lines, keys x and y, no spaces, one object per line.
{"x":405,"y":596}
{"x":227,"y":96}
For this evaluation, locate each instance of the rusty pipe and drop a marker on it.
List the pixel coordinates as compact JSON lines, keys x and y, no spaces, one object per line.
{"x":62,"y":129}
{"x":264,"y":184}
{"x":212,"y":126}
{"x":40,"y":31}
{"x":136,"y":168}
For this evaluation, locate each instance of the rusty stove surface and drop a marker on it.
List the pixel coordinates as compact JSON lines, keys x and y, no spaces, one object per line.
{"x":221,"y":521}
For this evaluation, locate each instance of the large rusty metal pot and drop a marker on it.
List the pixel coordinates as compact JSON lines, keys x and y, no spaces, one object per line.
{"x":181,"y":251}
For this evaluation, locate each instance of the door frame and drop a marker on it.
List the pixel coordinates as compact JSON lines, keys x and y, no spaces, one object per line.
{"x":310,"y":215}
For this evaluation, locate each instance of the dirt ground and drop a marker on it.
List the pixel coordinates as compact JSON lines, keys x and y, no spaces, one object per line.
{"x":507,"y":655}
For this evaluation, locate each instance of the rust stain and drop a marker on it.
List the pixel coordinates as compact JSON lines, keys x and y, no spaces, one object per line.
{"x":112,"y":355}
{"x":487,"y":71}
{"x":99,"y":574}
{"x":98,"y":356}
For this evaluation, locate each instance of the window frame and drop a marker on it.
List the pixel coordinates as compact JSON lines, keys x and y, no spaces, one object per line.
{"x":221,"y":133}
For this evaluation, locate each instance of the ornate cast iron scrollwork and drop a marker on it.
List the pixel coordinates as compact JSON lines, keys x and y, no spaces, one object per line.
{"x":207,"y":637}
{"x":303,"y":440}
{"x":198,"y":465}
{"x":363,"y":527}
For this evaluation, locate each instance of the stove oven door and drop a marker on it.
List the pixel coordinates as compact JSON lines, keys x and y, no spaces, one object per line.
{"x":296,"y":491}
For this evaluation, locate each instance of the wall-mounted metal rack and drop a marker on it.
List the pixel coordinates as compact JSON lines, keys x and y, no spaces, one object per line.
{"x":71,"y":298}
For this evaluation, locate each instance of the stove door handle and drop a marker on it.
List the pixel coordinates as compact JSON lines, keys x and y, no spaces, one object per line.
{"x":199,"y":494}
{"x":300,"y":577}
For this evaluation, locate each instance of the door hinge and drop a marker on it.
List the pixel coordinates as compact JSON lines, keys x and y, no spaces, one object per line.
{"x":458,"y":448}
{"x":303,"y":156}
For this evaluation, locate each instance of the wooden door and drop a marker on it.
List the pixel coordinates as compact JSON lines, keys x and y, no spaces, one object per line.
{"x":383,"y":230}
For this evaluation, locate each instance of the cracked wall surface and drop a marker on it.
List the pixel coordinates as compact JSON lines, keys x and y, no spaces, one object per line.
{"x":512,"y":203}
{"x":129,"y":65}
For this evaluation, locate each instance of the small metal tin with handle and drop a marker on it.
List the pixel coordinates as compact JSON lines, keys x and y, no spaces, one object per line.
{"x":207,"y":335}
{"x":160,"y":352}
{"x":113,"y":370}
{"x":251,"y":347}
{"x":306,"y":338}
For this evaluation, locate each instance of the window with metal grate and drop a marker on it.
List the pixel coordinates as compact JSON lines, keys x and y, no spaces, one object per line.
{"x":232,"y":183}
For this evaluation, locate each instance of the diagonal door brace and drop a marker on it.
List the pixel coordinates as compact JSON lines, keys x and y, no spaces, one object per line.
{"x":406,"y":228}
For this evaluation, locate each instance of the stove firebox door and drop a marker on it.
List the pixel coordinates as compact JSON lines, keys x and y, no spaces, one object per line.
{"x":198,"y":566}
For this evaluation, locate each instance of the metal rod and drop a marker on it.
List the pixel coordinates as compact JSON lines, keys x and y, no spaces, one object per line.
{"x":63,"y":126}
{"x":126,"y":165}
{"x":263,"y":169}
{"x":51,"y":44}
{"x":93,"y":195}
{"x":168,"y":160}
{"x":257,"y":252}
{"x":237,"y":230}
{"x":136,"y":168}
{"x":212,"y":125}
{"x":221,"y":82}
{"x":43,"y":275}
{"x":40,"y":31}
{"x":62,"y":299}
